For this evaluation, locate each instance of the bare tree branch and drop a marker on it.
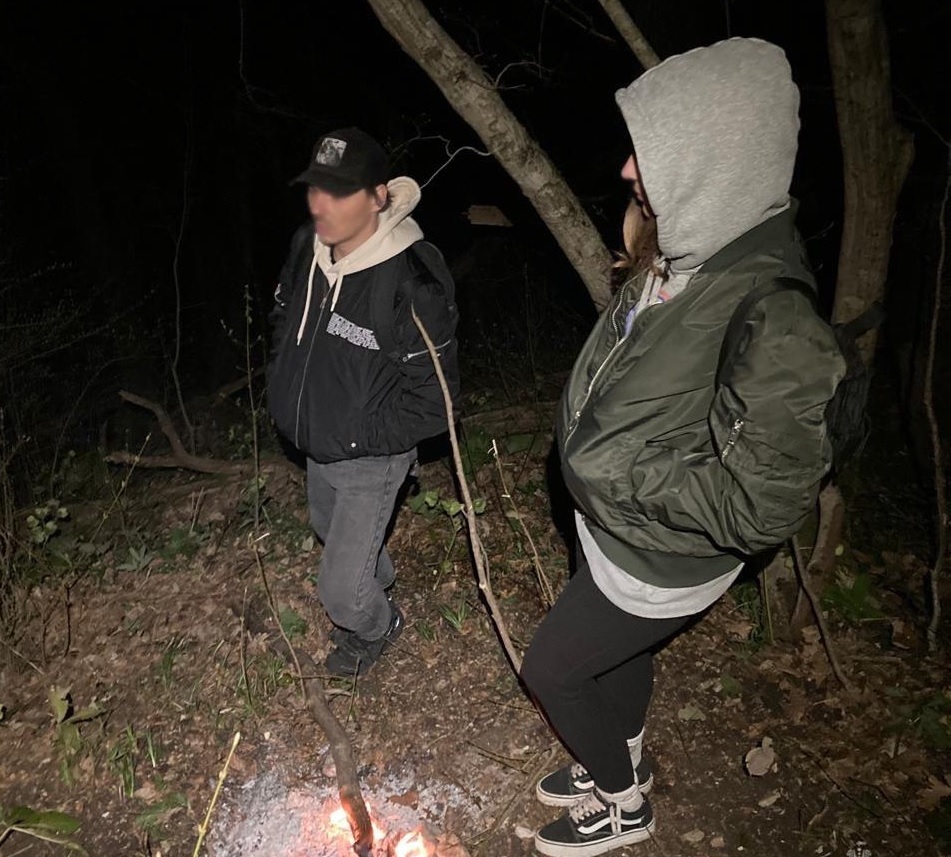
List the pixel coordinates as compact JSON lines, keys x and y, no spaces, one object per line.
{"x":940,"y":479}
{"x":472,"y":94}
{"x":631,"y":33}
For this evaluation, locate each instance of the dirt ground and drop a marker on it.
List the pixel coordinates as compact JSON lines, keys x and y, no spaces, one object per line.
{"x":146,"y":652}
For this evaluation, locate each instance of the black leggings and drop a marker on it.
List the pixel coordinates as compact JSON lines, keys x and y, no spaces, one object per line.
{"x":590,"y":668}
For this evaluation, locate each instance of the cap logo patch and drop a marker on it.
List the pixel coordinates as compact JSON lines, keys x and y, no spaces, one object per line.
{"x":330,"y":153}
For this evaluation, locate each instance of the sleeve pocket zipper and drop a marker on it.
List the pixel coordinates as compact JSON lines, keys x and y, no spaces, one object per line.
{"x":732,"y":438}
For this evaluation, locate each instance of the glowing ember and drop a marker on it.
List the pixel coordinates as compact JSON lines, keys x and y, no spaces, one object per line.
{"x":411,"y":845}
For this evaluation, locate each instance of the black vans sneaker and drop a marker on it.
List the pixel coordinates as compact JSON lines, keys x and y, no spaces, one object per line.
{"x":568,"y":785}
{"x":595,"y":826}
{"x":354,"y":656}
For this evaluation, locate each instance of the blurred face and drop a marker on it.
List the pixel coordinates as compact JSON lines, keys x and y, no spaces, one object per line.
{"x":345,"y":222}
{"x":631,"y":173}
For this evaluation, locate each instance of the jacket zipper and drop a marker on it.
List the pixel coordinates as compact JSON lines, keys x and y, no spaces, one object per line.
{"x":303,"y":380}
{"x":407,"y":357}
{"x":732,"y":438}
{"x":621,"y":340}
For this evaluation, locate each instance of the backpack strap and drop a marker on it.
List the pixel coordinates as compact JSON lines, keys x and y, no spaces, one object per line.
{"x":734,"y":329}
{"x":389,"y":294}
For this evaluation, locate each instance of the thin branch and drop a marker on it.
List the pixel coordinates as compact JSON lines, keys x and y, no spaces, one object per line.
{"x":631,"y":33}
{"x":581,"y":20}
{"x":478,"y":551}
{"x":803,"y":574}
{"x":222,"y":775}
{"x":176,"y":279}
{"x":450,"y":157}
{"x":548,"y":595}
{"x":940,"y":479}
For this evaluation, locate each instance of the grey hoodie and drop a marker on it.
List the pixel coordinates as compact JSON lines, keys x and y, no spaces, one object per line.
{"x":714,"y":133}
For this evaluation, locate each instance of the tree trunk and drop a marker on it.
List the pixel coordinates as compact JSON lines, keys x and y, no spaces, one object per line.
{"x":474,"y":96}
{"x":876,"y":154}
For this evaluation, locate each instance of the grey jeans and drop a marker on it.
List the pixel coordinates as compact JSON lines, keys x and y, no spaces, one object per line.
{"x":351,"y":504}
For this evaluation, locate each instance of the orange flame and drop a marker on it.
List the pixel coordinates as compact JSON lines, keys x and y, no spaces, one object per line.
{"x":340,"y":827}
{"x":412,"y":845}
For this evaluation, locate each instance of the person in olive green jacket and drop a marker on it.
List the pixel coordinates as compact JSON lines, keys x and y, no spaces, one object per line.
{"x":677,"y":475}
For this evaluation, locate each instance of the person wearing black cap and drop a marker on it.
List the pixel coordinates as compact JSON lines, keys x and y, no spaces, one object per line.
{"x":350,"y":381}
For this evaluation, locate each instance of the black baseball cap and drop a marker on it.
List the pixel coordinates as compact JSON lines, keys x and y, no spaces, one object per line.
{"x":346,"y":161}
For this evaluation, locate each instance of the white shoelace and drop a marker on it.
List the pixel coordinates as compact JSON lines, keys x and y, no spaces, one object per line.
{"x":578,"y":771}
{"x":589,"y":805}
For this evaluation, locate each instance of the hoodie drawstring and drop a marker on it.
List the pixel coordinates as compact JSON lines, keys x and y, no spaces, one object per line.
{"x":310,"y":292}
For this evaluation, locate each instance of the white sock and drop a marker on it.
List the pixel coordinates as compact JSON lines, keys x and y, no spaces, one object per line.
{"x":634,"y":745}
{"x":630,"y":798}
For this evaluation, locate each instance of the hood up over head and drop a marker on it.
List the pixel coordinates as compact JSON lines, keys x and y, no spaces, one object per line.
{"x":715,"y":136}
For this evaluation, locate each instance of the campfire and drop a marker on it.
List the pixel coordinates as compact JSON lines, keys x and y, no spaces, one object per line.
{"x":416,"y":843}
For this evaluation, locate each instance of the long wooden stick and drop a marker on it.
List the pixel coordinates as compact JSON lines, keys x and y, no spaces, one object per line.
{"x":940,"y":480}
{"x":348,"y":780}
{"x":222,"y":775}
{"x":478,"y":550}
{"x":803,"y":573}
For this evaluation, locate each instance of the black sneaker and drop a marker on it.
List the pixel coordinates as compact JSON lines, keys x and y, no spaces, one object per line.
{"x":354,"y":656}
{"x":568,"y":785}
{"x":594,"y":826}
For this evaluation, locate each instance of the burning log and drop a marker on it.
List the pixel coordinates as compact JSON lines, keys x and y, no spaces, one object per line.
{"x":348,"y":782}
{"x":421,"y":842}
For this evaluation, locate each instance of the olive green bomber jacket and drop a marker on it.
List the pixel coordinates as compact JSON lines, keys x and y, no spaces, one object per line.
{"x":676,"y":475}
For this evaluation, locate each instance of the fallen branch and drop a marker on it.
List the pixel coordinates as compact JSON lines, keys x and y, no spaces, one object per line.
{"x":235,"y":386}
{"x":180,"y":456}
{"x":222,"y":775}
{"x":803,"y":573}
{"x":348,"y":781}
{"x":478,"y":550}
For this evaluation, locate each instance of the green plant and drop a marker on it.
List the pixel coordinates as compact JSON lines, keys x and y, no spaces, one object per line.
{"x":173,"y":648}
{"x":475,"y":448}
{"x":67,"y":721}
{"x":156,"y":814}
{"x":928,"y":718}
{"x":252,"y":505}
{"x":44,"y":523}
{"x":292,"y":623}
{"x":260,"y":679}
{"x":123,"y":758}
{"x":183,"y":541}
{"x":425,"y":630}
{"x":455,"y":616}
{"x":851,"y":596}
{"x":430,"y":504}
{"x":48,"y":825}
{"x":139,"y":559}
{"x":749,"y":601}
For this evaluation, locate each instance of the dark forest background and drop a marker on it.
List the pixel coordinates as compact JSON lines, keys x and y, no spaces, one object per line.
{"x":145,"y":154}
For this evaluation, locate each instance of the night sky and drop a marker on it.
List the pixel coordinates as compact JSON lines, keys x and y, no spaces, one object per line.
{"x":119,"y":118}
